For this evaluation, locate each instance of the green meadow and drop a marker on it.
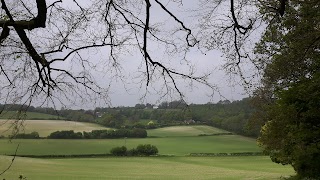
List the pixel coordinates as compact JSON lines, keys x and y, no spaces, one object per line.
{"x":178,"y":146}
{"x":174,"y":143}
{"x":221,"y":168}
{"x":185,"y":131}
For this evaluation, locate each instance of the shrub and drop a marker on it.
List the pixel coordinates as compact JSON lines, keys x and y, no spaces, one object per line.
{"x":139,"y":133}
{"x":132,"y":152}
{"x":65,"y":135}
{"x":141,"y":150}
{"x":32,"y":135}
{"x":119,"y":151}
{"x":147,"y":149}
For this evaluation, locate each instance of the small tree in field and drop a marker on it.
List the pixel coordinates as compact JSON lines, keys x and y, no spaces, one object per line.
{"x":119,"y":151}
{"x":147,"y":149}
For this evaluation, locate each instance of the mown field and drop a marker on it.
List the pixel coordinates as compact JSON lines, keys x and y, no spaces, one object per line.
{"x":45,"y":127}
{"x":178,"y":142}
{"x":184,"y":168}
{"x":179,"y":146}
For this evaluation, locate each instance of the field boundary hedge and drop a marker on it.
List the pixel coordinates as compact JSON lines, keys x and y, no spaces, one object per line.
{"x":229,"y":154}
{"x":64,"y":156}
{"x":158,"y":155}
{"x":217,"y":134}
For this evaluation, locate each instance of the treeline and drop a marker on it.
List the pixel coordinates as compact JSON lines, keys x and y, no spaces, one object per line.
{"x":67,"y":114}
{"x":32,"y":135}
{"x":100,"y":134}
{"x":140,"y":150}
{"x":232,"y":116}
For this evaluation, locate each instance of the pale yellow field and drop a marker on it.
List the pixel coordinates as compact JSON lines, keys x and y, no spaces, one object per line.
{"x":45,"y":127}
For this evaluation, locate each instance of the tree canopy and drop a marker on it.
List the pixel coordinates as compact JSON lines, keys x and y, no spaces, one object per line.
{"x":290,"y":49}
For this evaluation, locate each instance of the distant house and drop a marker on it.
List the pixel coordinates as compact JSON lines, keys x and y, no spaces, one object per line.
{"x":98,"y":114}
{"x":155,"y":107}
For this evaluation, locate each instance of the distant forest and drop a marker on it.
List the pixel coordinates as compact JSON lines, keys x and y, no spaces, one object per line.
{"x":232,"y":116}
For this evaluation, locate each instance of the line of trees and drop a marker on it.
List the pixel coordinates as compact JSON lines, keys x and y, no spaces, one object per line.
{"x":232,"y":116}
{"x":140,"y":150}
{"x":32,"y":135}
{"x":100,"y":134}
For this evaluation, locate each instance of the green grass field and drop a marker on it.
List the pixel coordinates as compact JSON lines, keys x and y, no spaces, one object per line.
{"x":222,"y":168}
{"x":45,"y":127}
{"x":178,"y":146}
{"x":184,"y":131}
{"x":178,"y":141}
{"x":29,"y":115}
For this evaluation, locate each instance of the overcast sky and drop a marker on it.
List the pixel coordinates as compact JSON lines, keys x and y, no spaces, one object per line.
{"x":131,"y":89}
{"x":128,"y":87}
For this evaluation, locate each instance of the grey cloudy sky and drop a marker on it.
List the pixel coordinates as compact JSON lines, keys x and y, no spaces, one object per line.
{"x":127,"y":84}
{"x":130,"y":88}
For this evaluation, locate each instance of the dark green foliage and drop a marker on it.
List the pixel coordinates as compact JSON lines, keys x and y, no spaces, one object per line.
{"x":119,"y":151}
{"x":100,"y":134}
{"x":32,"y":135}
{"x":120,"y":133}
{"x":115,"y":119}
{"x":290,"y":96}
{"x":65,"y":135}
{"x":77,"y":115}
{"x":140,"y":133}
{"x":141,"y":150}
{"x":147,"y":149}
{"x":231,"y":116}
{"x":292,"y":134}
{"x":132,"y":152}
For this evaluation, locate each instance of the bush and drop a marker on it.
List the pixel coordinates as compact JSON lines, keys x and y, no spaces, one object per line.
{"x":65,"y":135}
{"x":32,"y":135}
{"x":119,"y":133}
{"x":119,"y":151}
{"x":147,"y":149}
{"x":141,"y":150}
{"x":139,"y":133}
{"x":132,"y":152}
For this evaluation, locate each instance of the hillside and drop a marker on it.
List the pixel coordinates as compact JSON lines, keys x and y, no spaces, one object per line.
{"x":173,"y":131}
{"x":45,"y":127}
{"x":28,"y":115}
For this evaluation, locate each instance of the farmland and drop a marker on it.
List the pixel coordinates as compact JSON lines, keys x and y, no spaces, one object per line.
{"x":256,"y":167}
{"x":179,"y":146}
{"x":45,"y":127}
{"x":174,"y":143}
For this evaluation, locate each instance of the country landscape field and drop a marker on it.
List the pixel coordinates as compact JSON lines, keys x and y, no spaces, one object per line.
{"x":185,"y":152}
{"x":159,"y":89}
